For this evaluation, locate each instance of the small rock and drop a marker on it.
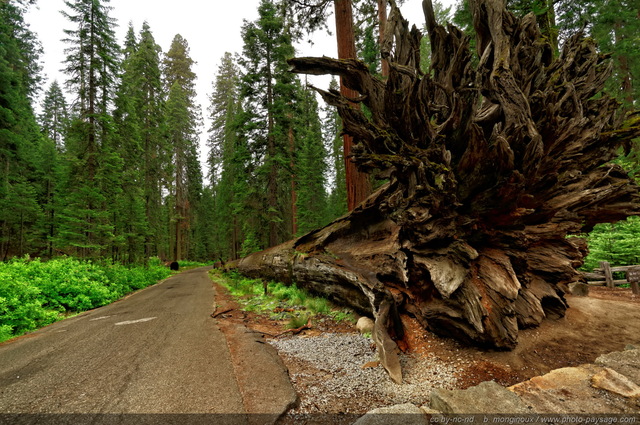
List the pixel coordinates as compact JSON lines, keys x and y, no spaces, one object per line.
{"x":399,"y":414}
{"x":365,"y":325}
{"x":631,"y":347}
{"x":579,"y":289}
{"x":610,"y":380}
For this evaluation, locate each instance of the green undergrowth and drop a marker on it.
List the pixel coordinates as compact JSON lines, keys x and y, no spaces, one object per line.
{"x":186,"y":264}
{"x":35,"y":293}
{"x":281,"y":302}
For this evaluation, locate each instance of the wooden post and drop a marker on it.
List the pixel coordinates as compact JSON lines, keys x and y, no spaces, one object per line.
{"x":608,"y":276}
{"x":633,"y":277}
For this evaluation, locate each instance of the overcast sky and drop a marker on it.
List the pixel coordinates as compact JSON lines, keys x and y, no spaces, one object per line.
{"x":210,"y":27}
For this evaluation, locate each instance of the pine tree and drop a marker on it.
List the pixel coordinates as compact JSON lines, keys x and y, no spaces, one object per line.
{"x":51,"y":174}
{"x":149,"y":105}
{"x":223,"y":101}
{"x":54,"y":123}
{"x":337,"y":203}
{"x":91,"y":66}
{"x":20,"y":138}
{"x":221,"y":141}
{"x":311,"y":166}
{"x":236,"y":189}
{"x":615,"y":26}
{"x":182,"y":118}
{"x":267,"y":90}
{"x":54,"y":119}
{"x":129,"y":219}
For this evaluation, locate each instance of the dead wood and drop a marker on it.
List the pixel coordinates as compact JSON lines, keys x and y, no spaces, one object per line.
{"x":295,"y":331}
{"x":490,"y":168}
{"x":219,"y":313}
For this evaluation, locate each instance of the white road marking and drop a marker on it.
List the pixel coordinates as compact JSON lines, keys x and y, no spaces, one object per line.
{"x":129,"y":322}
{"x":99,"y":318}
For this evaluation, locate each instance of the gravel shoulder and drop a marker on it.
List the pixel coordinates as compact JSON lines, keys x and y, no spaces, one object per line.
{"x":334,"y":371}
{"x":338,"y":373}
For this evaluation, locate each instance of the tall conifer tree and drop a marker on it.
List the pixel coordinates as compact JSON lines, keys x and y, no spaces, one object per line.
{"x":337,"y":204}
{"x":267,"y":90}
{"x":54,"y":119}
{"x":54,"y":123}
{"x":20,"y":139}
{"x":130,"y":224}
{"x":91,"y":66}
{"x":222,"y":171}
{"x":149,"y":105}
{"x":182,"y":122}
{"x":311,"y":165}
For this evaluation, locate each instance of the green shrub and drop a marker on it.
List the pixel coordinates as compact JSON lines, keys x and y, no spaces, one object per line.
{"x":35,"y":293}
{"x":187,"y":263}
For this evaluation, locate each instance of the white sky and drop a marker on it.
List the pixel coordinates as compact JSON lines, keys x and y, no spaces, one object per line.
{"x":210,"y":27}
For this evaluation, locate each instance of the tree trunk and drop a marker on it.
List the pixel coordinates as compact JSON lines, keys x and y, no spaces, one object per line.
{"x":358,"y":184}
{"x":625,"y":70}
{"x":382,"y":25}
{"x":490,"y":169}
{"x":272,"y":182}
{"x":294,"y":196}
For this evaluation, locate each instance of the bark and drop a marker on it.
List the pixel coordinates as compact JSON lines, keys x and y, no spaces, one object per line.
{"x":272,"y":182}
{"x":294,"y":196}
{"x":358,"y":185}
{"x":490,"y":168}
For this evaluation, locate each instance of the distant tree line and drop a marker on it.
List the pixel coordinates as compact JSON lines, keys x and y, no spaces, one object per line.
{"x":113,"y":170}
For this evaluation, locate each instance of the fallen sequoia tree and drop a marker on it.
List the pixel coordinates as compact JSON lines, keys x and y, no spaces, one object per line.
{"x":490,"y":167}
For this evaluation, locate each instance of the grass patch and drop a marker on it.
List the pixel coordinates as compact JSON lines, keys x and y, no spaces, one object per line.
{"x":297,"y":322}
{"x":282,"y":302}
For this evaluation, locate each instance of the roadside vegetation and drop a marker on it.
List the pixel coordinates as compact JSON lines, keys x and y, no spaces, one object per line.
{"x":187,"y":264}
{"x":280,"y":302}
{"x":35,"y":293}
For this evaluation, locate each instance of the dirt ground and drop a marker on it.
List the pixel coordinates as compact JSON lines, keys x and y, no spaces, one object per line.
{"x":605,"y":321}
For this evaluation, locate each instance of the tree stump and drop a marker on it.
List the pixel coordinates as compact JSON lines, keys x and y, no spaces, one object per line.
{"x":490,"y":168}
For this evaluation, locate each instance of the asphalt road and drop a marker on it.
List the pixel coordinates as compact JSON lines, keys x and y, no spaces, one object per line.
{"x":157,"y":351}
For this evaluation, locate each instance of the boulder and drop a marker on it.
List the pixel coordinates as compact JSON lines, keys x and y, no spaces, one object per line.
{"x":569,"y":390}
{"x":625,"y":362}
{"x":487,"y":397}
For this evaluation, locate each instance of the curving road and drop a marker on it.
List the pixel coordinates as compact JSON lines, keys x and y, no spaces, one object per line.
{"x":157,"y":351}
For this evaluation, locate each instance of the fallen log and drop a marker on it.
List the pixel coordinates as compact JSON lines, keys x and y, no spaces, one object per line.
{"x":490,"y":168}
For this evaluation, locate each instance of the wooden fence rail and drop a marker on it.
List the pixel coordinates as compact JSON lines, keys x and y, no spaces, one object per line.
{"x":603,"y":276}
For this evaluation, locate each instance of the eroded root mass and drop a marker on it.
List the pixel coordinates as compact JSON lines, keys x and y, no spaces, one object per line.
{"x":490,"y":167}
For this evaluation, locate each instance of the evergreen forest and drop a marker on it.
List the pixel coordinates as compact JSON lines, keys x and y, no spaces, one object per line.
{"x":109,"y":169}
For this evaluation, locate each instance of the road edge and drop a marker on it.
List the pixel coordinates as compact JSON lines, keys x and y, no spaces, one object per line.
{"x":261,"y":374}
